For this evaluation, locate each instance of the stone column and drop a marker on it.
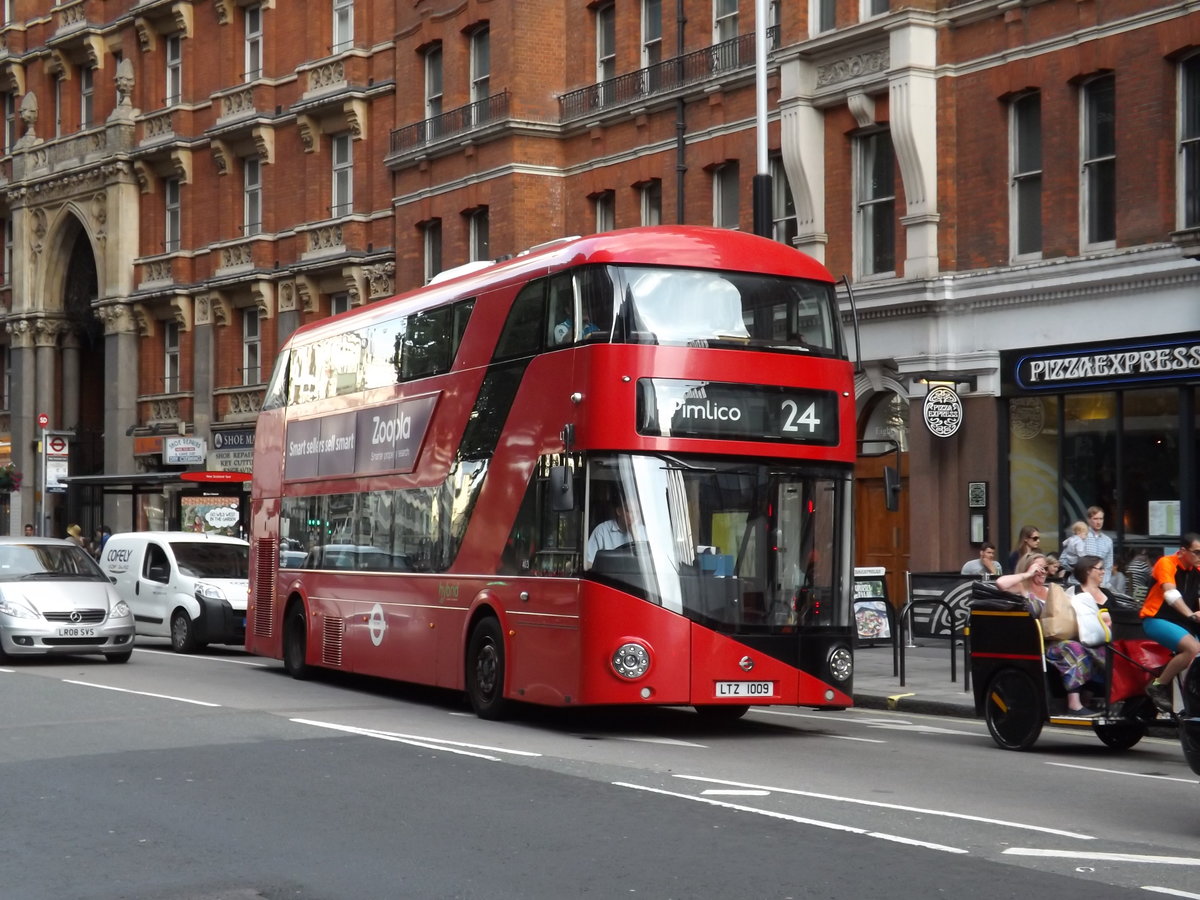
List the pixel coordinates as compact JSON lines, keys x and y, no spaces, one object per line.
{"x":70,"y":381}
{"x":46,"y":333}
{"x":120,"y":405}
{"x":24,"y":418}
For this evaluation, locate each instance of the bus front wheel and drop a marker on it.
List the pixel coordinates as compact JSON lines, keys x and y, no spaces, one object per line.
{"x":295,"y":644}
{"x":485,"y":670}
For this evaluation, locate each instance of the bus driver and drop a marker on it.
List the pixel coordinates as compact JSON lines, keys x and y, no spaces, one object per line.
{"x":613,"y":533}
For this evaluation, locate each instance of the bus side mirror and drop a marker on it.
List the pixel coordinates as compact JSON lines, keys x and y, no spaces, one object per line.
{"x":891,"y":488}
{"x":562,"y":489}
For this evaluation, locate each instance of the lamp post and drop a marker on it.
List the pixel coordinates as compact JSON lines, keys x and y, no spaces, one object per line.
{"x":762,"y":177}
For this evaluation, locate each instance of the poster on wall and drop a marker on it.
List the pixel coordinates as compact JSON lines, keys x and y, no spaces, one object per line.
{"x":211,"y":515}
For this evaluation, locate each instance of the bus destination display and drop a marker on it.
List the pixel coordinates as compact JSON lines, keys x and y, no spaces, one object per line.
{"x":717,"y":410}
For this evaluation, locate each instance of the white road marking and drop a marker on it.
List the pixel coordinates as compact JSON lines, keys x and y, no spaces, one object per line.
{"x":832,"y":826}
{"x":105,"y":687}
{"x":714,"y":792}
{"x":846,"y":737}
{"x":1103,"y":857}
{"x":893,"y":724}
{"x":670,"y":742}
{"x":881,"y":805}
{"x":220,"y":659}
{"x":416,"y":740}
{"x":1118,"y":772}
{"x":1155,"y":889}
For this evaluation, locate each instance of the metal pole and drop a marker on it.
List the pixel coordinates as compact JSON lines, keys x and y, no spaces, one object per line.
{"x":41,"y":482}
{"x":762,"y":178}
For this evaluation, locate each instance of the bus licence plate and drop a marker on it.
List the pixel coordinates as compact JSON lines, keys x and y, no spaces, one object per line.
{"x":76,"y":631}
{"x":745,"y":689}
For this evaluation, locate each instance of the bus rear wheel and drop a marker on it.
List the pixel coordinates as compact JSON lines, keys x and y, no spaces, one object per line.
{"x":295,"y":644}
{"x":485,"y":670}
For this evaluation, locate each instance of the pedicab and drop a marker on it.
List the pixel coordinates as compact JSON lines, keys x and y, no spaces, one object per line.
{"x":1018,"y":691}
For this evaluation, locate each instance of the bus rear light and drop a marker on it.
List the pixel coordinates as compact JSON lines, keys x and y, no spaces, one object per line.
{"x":631,"y":660}
{"x":841,"y":663}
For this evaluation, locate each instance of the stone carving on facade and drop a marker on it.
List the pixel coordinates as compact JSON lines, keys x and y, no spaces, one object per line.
{"x":123,"y":79}
{"x":220,"y":309}
{"x":238,"y":103}
{"x":326,"y":237}
{"x":12,"y":77}
{"x":245,"y":403}
{"x":164,"y":409}
{"x":287,"y":296}
{"x":848,"y":68}
{"x":355,"y":281}
{"x":237,"y":256}
{"x":117,"y":318}
{"x":159,"y":270}
{"x":157,"y":127}
{"x":20,"y":333}
{"x":71,"y":16}
{"x":307,"y":129}
{"x":356,"y":118}
{"x":37,"y":234}
{"x":381,"y":279}
{"x":203,"y":310}
{"x":329,"y":75}
{"x":264,"y":143}
{"x":181,"y":311}
{"x":29,"y":117}
{"x":100,"y":218}
{"x":143,"y":319}
{"x":46,"y":332}
{"x":67,"y":186}
{"x":307,"y":293}
{"x":262,"y":292}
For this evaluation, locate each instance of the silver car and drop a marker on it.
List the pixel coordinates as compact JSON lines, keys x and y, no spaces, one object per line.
{"x":55,"y":600}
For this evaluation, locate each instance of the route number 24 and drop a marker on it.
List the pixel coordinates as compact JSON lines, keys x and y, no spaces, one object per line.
{"x":793,"y":418}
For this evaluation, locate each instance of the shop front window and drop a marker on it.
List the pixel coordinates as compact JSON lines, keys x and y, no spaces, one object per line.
{"x":1089,"y":456}
{"x":1150,"y":460}
{"x":1033,"y":466}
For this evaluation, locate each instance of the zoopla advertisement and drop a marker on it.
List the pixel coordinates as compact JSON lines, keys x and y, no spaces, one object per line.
{"x":381,"y":439}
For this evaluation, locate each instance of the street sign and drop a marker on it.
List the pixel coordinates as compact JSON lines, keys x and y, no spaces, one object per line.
{"x":43,"y":420}
{"x":56,"y":445}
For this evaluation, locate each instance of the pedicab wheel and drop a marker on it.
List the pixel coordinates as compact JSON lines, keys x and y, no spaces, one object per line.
{"x":1013,"y":709}
{"x":1120,"y":735}
{"x":1189,"y":739}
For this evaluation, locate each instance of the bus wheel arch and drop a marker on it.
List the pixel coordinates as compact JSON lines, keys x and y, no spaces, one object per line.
{"x":485,"y":666}
{"x":295,"y":639}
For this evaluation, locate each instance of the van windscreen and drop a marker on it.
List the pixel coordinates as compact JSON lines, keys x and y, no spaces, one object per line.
{"x":200,"y":559}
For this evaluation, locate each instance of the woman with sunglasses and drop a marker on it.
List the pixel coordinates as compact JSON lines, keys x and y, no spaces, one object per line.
{"x":1170,"y":617}
{"x":1029,"y":540}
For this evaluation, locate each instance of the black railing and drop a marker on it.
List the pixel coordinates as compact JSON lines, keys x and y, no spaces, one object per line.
{"x":660,"y":78}
{"x":448,"y":124}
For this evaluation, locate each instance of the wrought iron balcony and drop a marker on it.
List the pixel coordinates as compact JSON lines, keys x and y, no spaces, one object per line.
{"x":662,"y":78}
{"x":448,"y":124}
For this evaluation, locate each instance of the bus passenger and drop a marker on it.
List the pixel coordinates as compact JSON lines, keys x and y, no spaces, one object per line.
{"x":613,"y":533}
{"x":1169,"y":614}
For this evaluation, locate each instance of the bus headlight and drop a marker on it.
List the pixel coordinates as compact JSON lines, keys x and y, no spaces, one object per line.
{"x":841,"y":663}
{"x":631,"y":660}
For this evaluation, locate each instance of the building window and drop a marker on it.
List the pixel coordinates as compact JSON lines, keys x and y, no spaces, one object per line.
{"x":433,"y":82}
{"x":171,"y":357}
{"x":339,"y":303}
{"x":252,"y":195}
{"x":1099,"y":161}
{"x":87,"y":96}
{"x":10,"y":121}
{"x":343,"y":25}
{"x":606,"y":42}
{"x":725,"y":20}
{"x":431,"y":239}
{"x":783,"y":209}
{"x":874,"y":8}
{"x":251,"y":346}
{"x":172,"y":204}
{"x":823,"y":16}
{"x":254,"y":43}
{"x":1189,"y":142}
{"x":650,"y":202}
{"x":477,"y":234}
{"x":875,"y":203}
{"x":605,"y":205}
{"x":725,"y":195}
{"x":481,"y":64}
{"x":652,"y":29}
{"x":174,"y":57}
{"x":1025,"y":198}
{"x":343,"y":175}
{"x":8,"y":251}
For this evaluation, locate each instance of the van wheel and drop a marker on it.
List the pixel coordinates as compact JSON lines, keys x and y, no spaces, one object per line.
{"x":485,"y":671}
{"x":183,"y":634}
{"x":295,"y":644}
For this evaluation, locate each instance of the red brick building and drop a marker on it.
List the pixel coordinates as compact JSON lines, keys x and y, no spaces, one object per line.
{"x":1003,"y":183}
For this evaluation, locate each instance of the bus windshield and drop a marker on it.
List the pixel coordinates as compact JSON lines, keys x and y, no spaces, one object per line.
{"x":705,"y":308}
{"x":740,"y":547}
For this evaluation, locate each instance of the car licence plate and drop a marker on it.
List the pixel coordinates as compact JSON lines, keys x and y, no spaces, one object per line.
{"x":745,"y":689}
{"x":76,"y":631}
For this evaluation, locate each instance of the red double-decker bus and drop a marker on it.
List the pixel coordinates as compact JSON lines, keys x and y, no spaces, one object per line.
{"x":611,"y":470}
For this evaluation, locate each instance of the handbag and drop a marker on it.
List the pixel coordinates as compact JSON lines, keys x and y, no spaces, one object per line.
{"x":1058,"y":616}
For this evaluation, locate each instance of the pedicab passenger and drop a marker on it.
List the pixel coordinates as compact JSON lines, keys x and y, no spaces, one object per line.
{"x":1169,"y":614}
{"x":1077,"y":663}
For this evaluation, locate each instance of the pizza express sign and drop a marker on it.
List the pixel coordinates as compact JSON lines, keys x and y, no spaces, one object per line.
{"x":1109,"y":365}
{"x":943,"y":411}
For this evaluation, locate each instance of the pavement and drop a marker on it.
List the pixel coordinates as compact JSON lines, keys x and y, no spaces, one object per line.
{"x":928,"y":684}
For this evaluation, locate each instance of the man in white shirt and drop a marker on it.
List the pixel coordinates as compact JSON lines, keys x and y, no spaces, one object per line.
{"x":612,"y":533}
{"x":1097,"y":543}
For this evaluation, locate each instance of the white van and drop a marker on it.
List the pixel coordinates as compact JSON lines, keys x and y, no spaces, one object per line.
{"x":188,"y":586}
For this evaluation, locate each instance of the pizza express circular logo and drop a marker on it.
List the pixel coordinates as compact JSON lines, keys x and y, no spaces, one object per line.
{"x":943,"y":411}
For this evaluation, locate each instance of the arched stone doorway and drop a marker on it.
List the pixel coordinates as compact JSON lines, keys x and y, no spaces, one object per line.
{"x":881,"y":537}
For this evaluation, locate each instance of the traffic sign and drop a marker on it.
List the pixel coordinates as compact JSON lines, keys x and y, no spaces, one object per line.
{"x":43,"y":420}
{"x":57,"y":445}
